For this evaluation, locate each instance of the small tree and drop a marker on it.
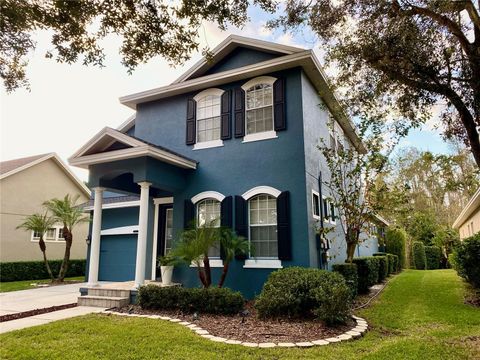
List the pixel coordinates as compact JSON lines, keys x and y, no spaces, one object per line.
{"x":231,"y":245}
{"x":69,"y":214}
{"x":40,"y":224}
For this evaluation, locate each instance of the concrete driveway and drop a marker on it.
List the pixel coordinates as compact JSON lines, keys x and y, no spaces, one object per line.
{"x":24,"y":300}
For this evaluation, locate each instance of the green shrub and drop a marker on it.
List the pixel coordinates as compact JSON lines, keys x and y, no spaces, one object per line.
{"x":382,"y":268}
{"x":395,"y":240}
{"x":433,"y":254}
{"x":349,"y":272}
{"x":467,"y":260}
{"x":302,"y":292}
{"x":396,"y":263}
{"x":389,"y":260}
{"x":391,"y":263}
{"x":419,"y":257}
{"x":210,"y":301}
{"x":35,"y":270}
{"x":367,"y":270}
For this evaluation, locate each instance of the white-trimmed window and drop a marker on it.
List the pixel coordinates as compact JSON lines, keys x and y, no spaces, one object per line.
{"x":208,"y":213}
{"x":315,"y":204}
{"x":329,"y":210}
{"x":51,"y":235}
{"x":262,"y":215}
{"x":208,"y":116}
{"x":259,"y":122}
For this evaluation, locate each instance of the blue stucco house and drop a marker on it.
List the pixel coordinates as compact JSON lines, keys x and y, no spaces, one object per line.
{"x":233,"y":138}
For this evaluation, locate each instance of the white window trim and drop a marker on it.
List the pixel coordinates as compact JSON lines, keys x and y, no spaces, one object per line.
{"x":264,"y":135}
{"x":157,"y":202}
{"x":258,"y":80}
{"x":262,"y":264}
{"x":208,"y":144}
{"x":214,"y":263}
{"x":208,"y":92}
{"x":261,"y":190}
{"x":316,"y":217}
{"x":208,"y":195}
{"x":56,"y":240}
{"x":329,"y":220}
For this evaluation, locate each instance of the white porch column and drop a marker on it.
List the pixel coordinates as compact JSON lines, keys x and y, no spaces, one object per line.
{"x":95,"y":241}
{"x":142,"y":234}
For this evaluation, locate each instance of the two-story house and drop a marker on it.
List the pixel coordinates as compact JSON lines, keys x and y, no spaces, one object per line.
{"x":233,"y":138}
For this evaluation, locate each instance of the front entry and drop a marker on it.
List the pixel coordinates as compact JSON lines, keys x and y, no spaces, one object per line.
{"x":118,"y":254}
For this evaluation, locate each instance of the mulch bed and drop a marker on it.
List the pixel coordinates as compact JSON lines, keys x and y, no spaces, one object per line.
{"x":250,"y":328}
{"x":25,"y":314}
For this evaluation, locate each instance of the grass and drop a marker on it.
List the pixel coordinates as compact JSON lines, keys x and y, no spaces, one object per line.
{"x":26,"y":284}
{"x":420,"y":315}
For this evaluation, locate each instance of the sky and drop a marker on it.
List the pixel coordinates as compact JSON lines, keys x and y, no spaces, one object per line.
{"x":69,"y":104}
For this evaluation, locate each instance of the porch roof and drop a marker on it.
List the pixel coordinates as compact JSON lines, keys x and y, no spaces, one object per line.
{"x":112,"y":145}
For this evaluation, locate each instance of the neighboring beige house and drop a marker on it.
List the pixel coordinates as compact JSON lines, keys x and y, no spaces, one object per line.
{"x":468,"y":222}
{"x":24,"y":185}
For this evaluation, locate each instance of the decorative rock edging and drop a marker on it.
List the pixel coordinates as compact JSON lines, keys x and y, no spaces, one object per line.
{"x":352,"y":334}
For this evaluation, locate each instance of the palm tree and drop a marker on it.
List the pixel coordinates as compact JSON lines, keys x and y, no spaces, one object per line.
{"x":231,"y":245}
{"x":40,"y":224}
{"x":69,"y":214}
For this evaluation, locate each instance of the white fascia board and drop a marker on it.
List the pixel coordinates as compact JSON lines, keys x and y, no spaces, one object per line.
{"x":127,"y":124}
{"x":146,"y":150}
{"x":468,"y":210}
{"x":122,"y":230}
{"x":26,"y":166}
{"x":118,"y":205}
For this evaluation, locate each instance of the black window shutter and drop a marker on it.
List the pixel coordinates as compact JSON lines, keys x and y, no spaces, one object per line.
{"x":283,"y":226}
{"x":241,"y":222}
{"x":239,"y":112}
{"x":188,"y":214}
{"x":191,"y":122}
{"x":279,"y":115}
{"x":225,"y":121}
{"x":226,"y":218}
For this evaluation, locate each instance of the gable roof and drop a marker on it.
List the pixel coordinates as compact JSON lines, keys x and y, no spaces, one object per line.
{"x":472,"y":206}
{"x":127,"y":124}
{"x":97,"y":150}
{"x":10,"y":167}
{"x":232,"y":42}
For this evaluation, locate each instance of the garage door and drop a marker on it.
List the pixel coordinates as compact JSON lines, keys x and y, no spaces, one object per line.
{"x":117,"y":257}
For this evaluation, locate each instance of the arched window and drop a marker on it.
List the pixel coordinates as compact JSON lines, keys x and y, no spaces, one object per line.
{"x":208,"y":214}
{"x":208,"y":115}
{"x":259,"y":104}
{"x":262,"y":215}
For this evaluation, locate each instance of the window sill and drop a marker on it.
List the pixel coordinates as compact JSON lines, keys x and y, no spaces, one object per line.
{"x":263,"y":264}
{"x":208,"y":144}
{"x":214,"y":263}
{"x":260,"y":136}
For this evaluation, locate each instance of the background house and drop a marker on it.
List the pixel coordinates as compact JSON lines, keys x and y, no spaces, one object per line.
{"x":24,"y":185}
{"x":468,"y":221}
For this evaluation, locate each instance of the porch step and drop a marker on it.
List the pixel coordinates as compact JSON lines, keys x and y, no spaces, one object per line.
{"x":103,"y":301}
{"x":108,"y":292}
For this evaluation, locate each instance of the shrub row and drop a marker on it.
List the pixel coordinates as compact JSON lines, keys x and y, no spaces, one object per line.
{"x":211,"y":300}
{"x":349,"y":272}
{"x":419,"y":257}
{"x":395,"y":239}
{"x":35,"y":270}
{"x":433,"y":255}
{"x":304,"y":292}
{"x":466,"y":260}
{"x":367,"y":270}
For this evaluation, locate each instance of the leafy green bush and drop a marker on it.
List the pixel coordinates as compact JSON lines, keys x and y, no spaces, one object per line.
{"x":382,"y":267}
{"x":419,"y":257}
{"x":349,"y":272}
{"x":303,"y":292}
{"x":210,"y":300}
{"x":396,"y":263}
{"x":35,"y":270}
{"x":391,"y":263}
{"x":433,"y":254}
{"x":367,"y":270}
{"x":467,"y":260}
{"x":395,"y":240}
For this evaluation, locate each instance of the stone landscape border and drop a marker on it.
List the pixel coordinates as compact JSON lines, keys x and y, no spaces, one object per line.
{"x":353,"y":333}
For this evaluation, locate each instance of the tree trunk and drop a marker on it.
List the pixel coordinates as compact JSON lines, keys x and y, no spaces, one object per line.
{"x":351,"y":246}
{"x":43,"y":248}
{"x":208,"y":271}
{"x":66,"y":257}
{"x":201,"y":275}
{"x":224,"y":274}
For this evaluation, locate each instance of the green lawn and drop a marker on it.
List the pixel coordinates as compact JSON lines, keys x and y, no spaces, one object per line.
{"x":420,"y":315}
{"x":25,"y":285}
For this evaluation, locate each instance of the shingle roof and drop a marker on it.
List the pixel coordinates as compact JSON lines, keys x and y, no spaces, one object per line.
{"x":112,"y":200}
{"x":9,"y":165}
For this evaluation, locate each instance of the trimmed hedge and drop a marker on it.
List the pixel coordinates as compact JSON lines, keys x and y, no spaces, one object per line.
{"x":349,"y":272}
{"x":367,"y":270}
{"x":466,"y":260}
{"x":302,"y":292}
{"x":419,"y":257}
{"x":395,"y":240}
{"x":396,"y":263}
{"x":433,"y":254}
{"x":35,"y":270}
{"x":210,"y":301}
{"x":382,"y":268}
{"x":388,"y":260}
{"x":391,"y":263}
